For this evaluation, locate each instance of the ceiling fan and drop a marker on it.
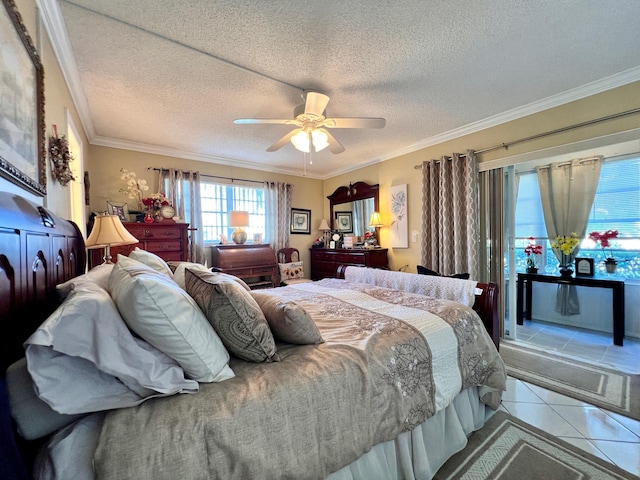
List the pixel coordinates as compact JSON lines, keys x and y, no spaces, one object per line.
{"x":311,"y":134}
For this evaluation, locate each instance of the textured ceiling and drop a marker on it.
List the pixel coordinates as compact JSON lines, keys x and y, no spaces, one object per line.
{"x":171,"y":76}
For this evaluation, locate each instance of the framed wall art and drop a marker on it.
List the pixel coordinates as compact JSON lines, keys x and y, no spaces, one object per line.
{"x":399,"y":225}
{"x":22,"y":127}
{"x":300,"y":221}
{"x":344,"y":222}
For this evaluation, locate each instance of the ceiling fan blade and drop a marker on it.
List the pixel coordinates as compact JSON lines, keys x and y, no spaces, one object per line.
{"x":283,"y":141}
{"x":354,"y":122}
{"x":315,"y":103}
{"x":334,"y":145}
{"x":251,"y":121}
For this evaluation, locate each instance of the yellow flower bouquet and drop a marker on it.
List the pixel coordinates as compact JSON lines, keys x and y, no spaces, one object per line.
{"x":566,"y":243}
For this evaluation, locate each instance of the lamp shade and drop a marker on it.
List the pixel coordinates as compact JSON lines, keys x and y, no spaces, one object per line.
{"x":303,"y":139}
{"x":108,"y":230}
{"x":324,"y":226}
{"x":238,"y":218}
{"x":375,"y":221}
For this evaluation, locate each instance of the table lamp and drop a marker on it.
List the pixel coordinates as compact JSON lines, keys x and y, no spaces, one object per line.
{"x":238,"y":219}
{"x":108,"y":230}
{"x":324,"y":228}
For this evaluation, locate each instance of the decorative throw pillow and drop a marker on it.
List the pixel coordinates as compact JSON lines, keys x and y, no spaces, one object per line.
{"x":425,"y":271}
{"x":291,"y":270}
{"x":151,"y":260}
{"x":234,"y":314}
{"x":180,"y":267}
{"x":158,"y":310}
{"x":288,"y":321}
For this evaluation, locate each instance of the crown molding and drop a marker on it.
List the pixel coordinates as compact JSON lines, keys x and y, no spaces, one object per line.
{"x":170,"y":152}
{"x":608,"y":83}
{"x":54,"y":25}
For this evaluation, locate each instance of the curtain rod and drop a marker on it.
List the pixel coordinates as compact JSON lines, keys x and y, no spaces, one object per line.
{"x":212,"y":176}
{"x":553,"y":132}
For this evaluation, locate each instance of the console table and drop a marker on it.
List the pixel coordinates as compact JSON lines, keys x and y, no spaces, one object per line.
{"x":525,"y":293}
{"x":256,"y":264}
{"x":325,"y":261}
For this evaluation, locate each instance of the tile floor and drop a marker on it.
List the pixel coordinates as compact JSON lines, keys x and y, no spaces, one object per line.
{"x":607,"y":435}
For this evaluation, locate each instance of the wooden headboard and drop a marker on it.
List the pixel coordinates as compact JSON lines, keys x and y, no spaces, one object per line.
{"x":485,"y":305}
{"x":38,"y":250}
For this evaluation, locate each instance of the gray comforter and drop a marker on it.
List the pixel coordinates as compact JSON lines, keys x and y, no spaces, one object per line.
{"x":390,"y":360}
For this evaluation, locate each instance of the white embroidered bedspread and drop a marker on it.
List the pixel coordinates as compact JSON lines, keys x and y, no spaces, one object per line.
{"x":461,"y":291}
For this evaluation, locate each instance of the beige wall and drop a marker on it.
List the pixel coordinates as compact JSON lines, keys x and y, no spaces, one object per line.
{"x":400,"y":170}
{"x":57,"y":102}
{"x":104,"y":164}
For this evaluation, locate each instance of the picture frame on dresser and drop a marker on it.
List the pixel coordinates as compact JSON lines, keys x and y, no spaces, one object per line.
{"x":118,"y":208}
{"x":344,"y":222}
{"x":23,"y":157}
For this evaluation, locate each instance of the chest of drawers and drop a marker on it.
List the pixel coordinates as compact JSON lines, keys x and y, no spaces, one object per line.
{"x":166,"y":239}
{"x":325,"y":261}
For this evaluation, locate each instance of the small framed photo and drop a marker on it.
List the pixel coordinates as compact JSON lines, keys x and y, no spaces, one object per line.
{"x":344,"y":222}
{"x":119,"y":209}
{"x":584,"y":267}
{"x":300,"y":221}
{"x":257,"y":238}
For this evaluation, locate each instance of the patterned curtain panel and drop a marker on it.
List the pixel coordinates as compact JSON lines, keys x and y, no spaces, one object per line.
{"x":183,"y":191}
{"x":278,"y":213}
{"x":450,"y":214}
{"x":567,"y":191}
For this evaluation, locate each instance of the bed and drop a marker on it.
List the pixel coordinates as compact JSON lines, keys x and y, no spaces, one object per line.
{"x":345,"y":378}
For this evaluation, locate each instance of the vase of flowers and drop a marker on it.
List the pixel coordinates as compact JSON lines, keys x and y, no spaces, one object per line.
{"x":154,"y":203}
{"x":533,"y":252}
{"x":135,"y":186}
{"x":563,"y":247}
{"x":603,"y":239}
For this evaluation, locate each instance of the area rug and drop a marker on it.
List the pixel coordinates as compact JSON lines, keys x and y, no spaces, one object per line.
{"x":612,"y":390}
{"x":507,"y":448}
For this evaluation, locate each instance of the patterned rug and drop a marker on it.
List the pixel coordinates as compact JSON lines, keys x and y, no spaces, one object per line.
{"x":507,"y":448}
{"x":603,"y":387}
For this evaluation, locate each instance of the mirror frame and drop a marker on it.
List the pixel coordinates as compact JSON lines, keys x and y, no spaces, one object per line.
{"x":355,"y":191}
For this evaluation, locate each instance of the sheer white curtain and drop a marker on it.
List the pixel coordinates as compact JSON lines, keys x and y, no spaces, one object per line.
{"x":183,"y":191}
{"x":567,"y":190}
{"x":450,"y":214}
{"x":278,"y":213}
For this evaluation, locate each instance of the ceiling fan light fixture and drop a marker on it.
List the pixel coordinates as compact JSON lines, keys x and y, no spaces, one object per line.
{"x":302,"y":140}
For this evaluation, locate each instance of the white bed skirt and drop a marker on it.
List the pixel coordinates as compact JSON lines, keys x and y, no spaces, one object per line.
{"x":420,"y":453}
{"x":413,"y":455}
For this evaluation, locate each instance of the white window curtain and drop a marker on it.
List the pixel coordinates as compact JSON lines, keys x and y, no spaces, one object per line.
{"x":278,"y":213}
{"x":183,"y":191}
{"x":450,"y":214}
{"x":567,"y":190}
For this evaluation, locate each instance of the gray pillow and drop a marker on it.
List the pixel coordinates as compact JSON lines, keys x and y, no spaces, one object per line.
{"x":288,"y":321}
{"x":234,"y":315}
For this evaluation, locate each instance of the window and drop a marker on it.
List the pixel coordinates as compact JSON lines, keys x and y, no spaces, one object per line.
{"x":616,"y":207}
{"x":218,"y":199}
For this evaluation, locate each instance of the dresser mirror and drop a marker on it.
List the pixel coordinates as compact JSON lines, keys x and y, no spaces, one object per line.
{"x":360,"y":200}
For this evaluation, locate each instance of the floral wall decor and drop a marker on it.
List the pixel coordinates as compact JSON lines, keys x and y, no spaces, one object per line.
{"x":60,"y":158}
{"x":399,"y":225}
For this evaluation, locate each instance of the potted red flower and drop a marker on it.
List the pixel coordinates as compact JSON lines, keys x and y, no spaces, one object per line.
{"x":532,"y":250}
{"x":603,"y":239}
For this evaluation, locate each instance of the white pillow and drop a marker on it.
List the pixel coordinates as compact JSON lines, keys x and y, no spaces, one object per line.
{"x":158,"y":310}
{"x":178,"y":274}
{"x":83,"y":358}
{"x":99,"y":275}
{"x":151,"y":260}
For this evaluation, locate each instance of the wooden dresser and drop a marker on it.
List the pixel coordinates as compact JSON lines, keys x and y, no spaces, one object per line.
{"x":256,"y":264}
{"x":166,"y":239}
{"x":325,"y":261}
